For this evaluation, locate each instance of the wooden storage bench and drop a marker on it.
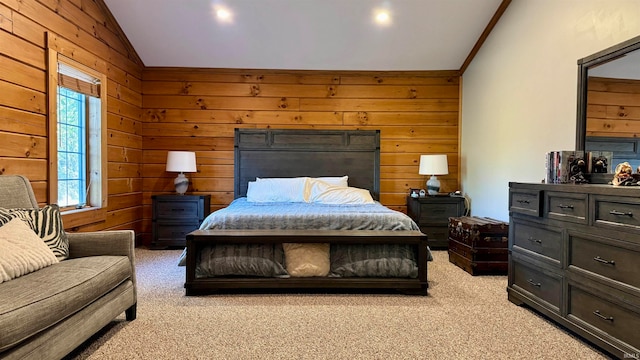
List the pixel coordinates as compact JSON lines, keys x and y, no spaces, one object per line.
{"x":479,"y":245}
{"x":199,"y":238}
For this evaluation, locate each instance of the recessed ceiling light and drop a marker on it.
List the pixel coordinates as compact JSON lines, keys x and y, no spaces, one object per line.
{"x":223,"y":14}
{"x":382,"y":17}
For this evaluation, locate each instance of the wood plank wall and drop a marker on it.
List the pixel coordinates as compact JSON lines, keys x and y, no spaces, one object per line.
{"x":153,"y":110}
{"x":613,"y":107}
{"x":198,"y":109}
{"x":86,"y":33}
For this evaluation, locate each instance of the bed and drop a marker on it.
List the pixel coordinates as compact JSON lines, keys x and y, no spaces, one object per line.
{"x":306,"y":215}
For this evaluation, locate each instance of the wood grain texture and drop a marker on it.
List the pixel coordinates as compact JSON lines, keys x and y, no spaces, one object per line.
{"x":198,"y":110}
{"x":153,"y":110}
{"x":81,"y":31}
{"x":613,"y":107}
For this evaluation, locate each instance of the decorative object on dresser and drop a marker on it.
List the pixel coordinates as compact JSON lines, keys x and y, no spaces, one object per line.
{"x":574,"y":256}
{"x":599,"y":162}
{"x":479,"y":245}
{"x":564,"y":167}
{"x":623,"y":175}
{"x":174,"y":216}
{"x":181,"y":161}
{"x":432,"y":213}
{"x":433,"y":165}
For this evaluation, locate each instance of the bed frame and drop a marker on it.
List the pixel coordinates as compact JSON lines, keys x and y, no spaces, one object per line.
{"x":290,"y":153}
{"x":313,"y":153}
{"x":199,"y":238}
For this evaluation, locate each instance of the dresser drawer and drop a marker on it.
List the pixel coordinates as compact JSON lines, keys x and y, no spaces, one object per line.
{"x":622,"y":213}
{"x":437,"y":213}
{"x":175,"y":210}
{"x":435,"y":232}
{"x":544,"y":240}
{"x":528,"y":202}
{"x":603,"y":257}
{"x":437,"y":236}
{"x":567,"y":206}
{"x":541,"y":284}
{"x":610,"y":318}
{"x":176,"y":233}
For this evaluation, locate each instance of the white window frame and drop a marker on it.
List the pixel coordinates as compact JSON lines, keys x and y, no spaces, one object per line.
{"x":96,"y":137}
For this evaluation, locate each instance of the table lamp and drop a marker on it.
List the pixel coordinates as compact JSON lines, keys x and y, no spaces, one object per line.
{"x":433,"y":165}
{"x":181,"y":161}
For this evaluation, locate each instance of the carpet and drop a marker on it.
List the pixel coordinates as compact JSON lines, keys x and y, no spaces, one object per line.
{"x":463,"y":316}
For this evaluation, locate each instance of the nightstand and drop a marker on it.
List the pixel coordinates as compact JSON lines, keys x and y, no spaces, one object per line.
{"x":174,"y":216}
{"x":432,"y":213}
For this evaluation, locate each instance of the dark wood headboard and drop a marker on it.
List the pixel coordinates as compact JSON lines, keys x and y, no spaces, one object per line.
{"x":290,"y":153}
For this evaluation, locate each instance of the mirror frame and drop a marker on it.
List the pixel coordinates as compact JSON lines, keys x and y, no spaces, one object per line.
{"x":584,"y":65}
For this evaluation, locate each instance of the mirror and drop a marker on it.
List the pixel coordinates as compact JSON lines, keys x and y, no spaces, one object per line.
{"x":608,"y":114}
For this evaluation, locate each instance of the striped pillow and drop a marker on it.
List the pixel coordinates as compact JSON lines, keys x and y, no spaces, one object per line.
{"x":46,"y":222}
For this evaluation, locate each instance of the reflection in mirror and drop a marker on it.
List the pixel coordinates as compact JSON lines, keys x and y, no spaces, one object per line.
{"x":609,"y":103}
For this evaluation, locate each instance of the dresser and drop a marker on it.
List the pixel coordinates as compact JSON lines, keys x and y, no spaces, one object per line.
{"x":174,"y":216}
{"x":574,"y":256}
{"x":432,"y":214}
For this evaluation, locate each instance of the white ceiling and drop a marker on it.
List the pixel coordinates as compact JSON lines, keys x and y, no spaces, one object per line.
{"x":304,"y":34}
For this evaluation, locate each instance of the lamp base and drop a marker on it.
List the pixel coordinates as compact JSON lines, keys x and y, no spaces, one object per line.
{"x":181,"y":183}
{"x":433,"y":185}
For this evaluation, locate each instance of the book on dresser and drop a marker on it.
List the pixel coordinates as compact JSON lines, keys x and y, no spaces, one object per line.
{"x":561,"y":166}
{"x":574,"y":256}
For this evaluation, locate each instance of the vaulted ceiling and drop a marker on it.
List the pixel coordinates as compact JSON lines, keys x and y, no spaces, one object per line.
{"x":305,"y":34}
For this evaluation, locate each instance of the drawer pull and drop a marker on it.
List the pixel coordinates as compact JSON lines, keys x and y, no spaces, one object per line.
{"x":523,"y":201}
{"x":619,"y":213}
{"x":565,"y":206}
{"x":177,"y":209}
{"x":608,"y":262}
{"x":537,"y":241}
{"x":530,"y":281}
{"x":598,"y":314}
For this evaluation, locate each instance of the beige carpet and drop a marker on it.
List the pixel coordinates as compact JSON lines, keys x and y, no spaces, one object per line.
{"x":464,"y":317}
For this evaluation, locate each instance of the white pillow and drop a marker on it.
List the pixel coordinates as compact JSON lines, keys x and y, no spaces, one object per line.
{"x":23,"y":251}
{"x":333,"y":180}
{"x":325,"y":193}
{"x":278,"y":179}
{"x":277,"y":190}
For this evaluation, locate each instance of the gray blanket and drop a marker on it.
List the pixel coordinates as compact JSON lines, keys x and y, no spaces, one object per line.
{"x":346,"y":260}
{"x":241,"y":214}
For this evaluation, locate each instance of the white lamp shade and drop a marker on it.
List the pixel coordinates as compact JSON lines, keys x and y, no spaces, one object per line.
{"x":181,"y":161}
{"x":433,"y":165}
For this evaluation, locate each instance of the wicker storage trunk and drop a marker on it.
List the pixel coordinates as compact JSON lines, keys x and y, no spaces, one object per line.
{"x":479,"y":245}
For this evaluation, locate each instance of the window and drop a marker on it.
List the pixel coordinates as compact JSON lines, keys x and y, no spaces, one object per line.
{"x":72,"y":147}
{"x":77,"y":134}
